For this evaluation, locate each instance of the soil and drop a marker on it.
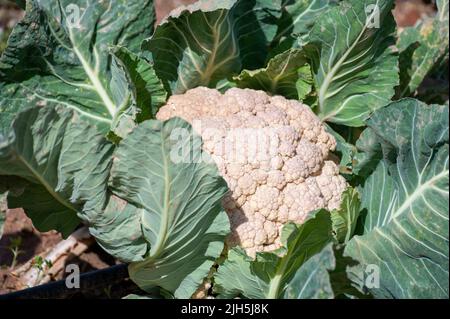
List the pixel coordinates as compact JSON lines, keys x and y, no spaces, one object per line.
{"x":163,"y":7}
{"x":407,"y":12}
{"x":33,"y":243}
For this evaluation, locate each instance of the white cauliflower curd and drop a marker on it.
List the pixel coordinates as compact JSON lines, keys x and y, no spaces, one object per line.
{"x":273,"y":154}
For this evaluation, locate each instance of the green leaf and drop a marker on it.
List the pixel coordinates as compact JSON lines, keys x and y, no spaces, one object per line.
{"x":211,"y":40}
{"x":345,"y":218}
{"x":117,"y":229}
{"x":147,"y":89}
{"x":297,"y":20}
{"x":68,"y":42}
{"x":270,"y":274}
{"x":406,"y":231}
{"x":171,"y":207}
{"x":354,"y":65}
{"x":304,"y":85}
{"x":422,"y":49}
{"x":345,"y":150}
{"x":287,"y":74}
{"x":312,"y":280}
{"x":369,"y":153}
{"x":64,"y":162}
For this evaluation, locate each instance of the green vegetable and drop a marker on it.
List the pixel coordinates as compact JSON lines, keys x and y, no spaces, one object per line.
{"x":81,"y":83}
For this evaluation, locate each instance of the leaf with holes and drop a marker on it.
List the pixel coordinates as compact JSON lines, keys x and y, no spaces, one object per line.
{"x":354,"y":64}
{"x":406,"y":199}
{"x":59,"y":55}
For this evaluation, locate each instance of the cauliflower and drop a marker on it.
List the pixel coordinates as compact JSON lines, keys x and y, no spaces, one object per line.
{"x":273,"y":154}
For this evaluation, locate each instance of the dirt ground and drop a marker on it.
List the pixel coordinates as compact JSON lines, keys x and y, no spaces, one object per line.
{"x":19,"y":227}
{"x":407,"y":12}
{"x":33,"y":243}
{"x":163,"y":7}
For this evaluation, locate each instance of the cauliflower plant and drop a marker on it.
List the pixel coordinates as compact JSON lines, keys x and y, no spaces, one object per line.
{"x":272,"y":152}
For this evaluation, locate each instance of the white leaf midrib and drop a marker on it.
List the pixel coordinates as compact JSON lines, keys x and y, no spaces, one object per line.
{"x":165,"y":214}
{"x":97,"y":84}
{"x":330,"y":76}
{"x":92,"y":74}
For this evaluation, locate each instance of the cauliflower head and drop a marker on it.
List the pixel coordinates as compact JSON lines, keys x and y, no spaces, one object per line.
{"x":273,"y":154}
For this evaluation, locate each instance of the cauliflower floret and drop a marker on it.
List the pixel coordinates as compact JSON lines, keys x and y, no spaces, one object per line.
{"x":273,"y":154}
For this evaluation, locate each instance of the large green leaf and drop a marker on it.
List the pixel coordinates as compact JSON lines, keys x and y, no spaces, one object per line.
{"x":211,"y":40}
{"x":59,"y":55}
{"x":406,"y":233}
{"x":170,"y":210}
{"x":353,"y":61}
{"x":286,"y":74}
{"x":270,"y":274}
{"x":64,"y":162}
{"x":423,"y":48}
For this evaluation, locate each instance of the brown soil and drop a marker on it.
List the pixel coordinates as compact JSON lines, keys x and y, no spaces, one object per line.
{"x":19,"y":226}
{"x":33,"y":243}
{"x":163,"y":7}
{"x":407,"y":12}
